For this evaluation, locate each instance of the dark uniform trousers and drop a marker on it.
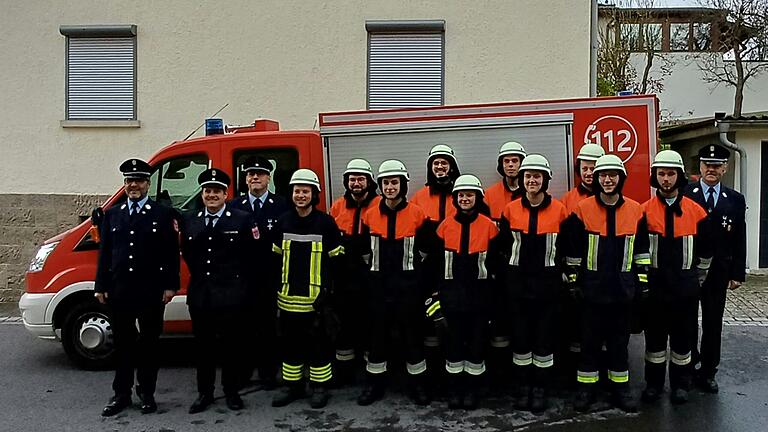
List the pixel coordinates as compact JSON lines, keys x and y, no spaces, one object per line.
{"x":219,"y":336}
{"x":136,"y":349}
{"x":670,"y":321}
{"x":407,"y":319}
{"x":466,"y":341}
{"x":713,"y":292}
{"x":533,"y":339}
{"x":138,"y":260}
{"x":351,"y":298}
{"x":305,"y":342}
{"x":609,"y":324}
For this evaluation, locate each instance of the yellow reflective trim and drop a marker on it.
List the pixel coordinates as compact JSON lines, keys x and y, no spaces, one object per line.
{"x":315,"y":262}
{"x":594,"y":240}
{"x":434,"y":307}
{"x":587,"y":377}
{"x":642,"y":277}
{"x":276,"y":249}
{"x":618,"y":377}
{"x":629,"y":248}
{"x":338,"y":251}
{"x":572,"y":277}
{"x":286,"y":260}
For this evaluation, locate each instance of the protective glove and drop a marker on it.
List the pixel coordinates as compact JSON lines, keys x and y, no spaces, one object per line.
{"x":435,"y":312}
{"x":701,"y":275}
{"x":642,"y":282}
{"x":571,"y":277}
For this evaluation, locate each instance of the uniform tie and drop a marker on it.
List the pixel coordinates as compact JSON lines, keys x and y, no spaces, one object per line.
{"x":711,"y":199}
{"x":134,"y":210}
{"x":257,"y":206}
{"x":211,"y":220}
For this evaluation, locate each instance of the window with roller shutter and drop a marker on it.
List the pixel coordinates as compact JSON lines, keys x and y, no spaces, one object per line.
{"x":405,"y":64}
{"x":100,"y":72}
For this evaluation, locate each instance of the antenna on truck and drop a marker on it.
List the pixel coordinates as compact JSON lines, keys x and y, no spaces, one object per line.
{"x":201,"y":124}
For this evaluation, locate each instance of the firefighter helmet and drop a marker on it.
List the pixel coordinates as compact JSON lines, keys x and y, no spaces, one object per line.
{"x":467,"y":182}
{"x":512,"y":148}
{"x":305,"y":176}
{"x":609,"y":162}
{"x":442,"y":150}
{"x":359,"y":166}
{"x":590,"y":152}
{"x":391,"y":168}
{"x":536,"y":162}
{"x":668,"y":159}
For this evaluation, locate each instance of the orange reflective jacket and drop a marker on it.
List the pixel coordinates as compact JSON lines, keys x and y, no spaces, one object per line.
{"x":572,"y":198}
{"x":436,"y":206}
{"x":498,"y":196}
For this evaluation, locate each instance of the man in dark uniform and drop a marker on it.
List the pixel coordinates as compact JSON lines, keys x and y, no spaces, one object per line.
{"x":137,"y":274}
{"x":726,"y":213}
{"x":214,"y":243}
{"x":264,"y":207}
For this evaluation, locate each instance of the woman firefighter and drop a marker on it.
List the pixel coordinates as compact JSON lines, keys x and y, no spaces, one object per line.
{"x":530,"y":228}
{"x":460,"y":304}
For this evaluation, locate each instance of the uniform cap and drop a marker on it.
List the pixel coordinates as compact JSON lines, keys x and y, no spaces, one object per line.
{"x":359,"y":166}
{"x":213,"y":177}
{"x":714,"y":154}
{"x":536,"y":162}
{"x":258,"y":163}
{"x":668,"y":159}
{"x":609,"y":162}
{"x":135,"y":168}
{"x":304,"y":176}
{"x":391,"y":168}
{"x":512,"y":148}
{"x":467,"y":182}
{"x":590,"y":152}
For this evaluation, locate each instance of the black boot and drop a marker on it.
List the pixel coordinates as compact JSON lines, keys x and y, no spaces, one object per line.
{"x":585,"y":397}
{"x":538,"y":400}
{"x":344,"y":373}
{"x":292,"y":392}
{"x":651,"y":393}
{"x":454,"y":391}
{"x":522,"y":394}
{"x":471,"y":387}
{"x":679,"y":396}
{"x":373,"y":390}
{"x":655,"y":374}
{"x":419,"y":390}
{"x":319,"y":396}
{"x":622,"y":398}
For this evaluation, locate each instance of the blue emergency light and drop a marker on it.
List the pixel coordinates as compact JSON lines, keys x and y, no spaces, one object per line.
{"x":625,"y":93}
{"x":214,"y":126}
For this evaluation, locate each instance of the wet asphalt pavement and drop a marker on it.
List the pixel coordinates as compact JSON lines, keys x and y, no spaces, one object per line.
{"x":41,"y":391}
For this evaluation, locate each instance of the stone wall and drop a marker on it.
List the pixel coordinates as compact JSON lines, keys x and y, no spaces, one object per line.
{"x":26,"y":221}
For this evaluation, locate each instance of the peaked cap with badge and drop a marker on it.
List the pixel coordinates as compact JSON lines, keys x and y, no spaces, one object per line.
{"x":714,"y":154}
{"x":213,"y":177}
{"x":258,"y":163}
{"x":135,"y":169}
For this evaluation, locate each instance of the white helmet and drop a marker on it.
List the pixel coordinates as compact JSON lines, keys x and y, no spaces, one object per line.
{"x":590,"y":152}
{"x":305,"y":176}
{"x":442,"y":150}
{"x":609,"y":162}
{"x":536,"y":162}
{"x":668,"y":159}
{"x":391,"y":168}
{"x":359,"y":166}
{"x":512,"y":148}
{"x":467,"y":182}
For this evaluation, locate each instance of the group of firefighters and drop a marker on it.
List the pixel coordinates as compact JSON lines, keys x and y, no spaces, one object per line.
{"x":459,"y":272}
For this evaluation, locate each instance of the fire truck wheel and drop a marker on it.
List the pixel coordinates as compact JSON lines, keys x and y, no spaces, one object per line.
{"x":87,"y":336}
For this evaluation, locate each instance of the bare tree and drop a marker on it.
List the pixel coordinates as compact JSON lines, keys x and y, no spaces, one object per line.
{"x":743,"y":38}
{"x":629,"y":30}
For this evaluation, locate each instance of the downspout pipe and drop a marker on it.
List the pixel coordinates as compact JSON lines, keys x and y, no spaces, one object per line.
{"x":723,"y":128}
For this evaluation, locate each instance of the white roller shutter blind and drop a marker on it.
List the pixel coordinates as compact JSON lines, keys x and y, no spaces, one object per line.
{"x":100,"y":78}
{"x":405,"y":70}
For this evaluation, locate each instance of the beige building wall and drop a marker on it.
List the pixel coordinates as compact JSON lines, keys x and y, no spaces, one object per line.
{"x":285,"y":60}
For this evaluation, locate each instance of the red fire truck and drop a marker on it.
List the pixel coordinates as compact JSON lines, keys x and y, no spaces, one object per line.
{"x":59,"y":303}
